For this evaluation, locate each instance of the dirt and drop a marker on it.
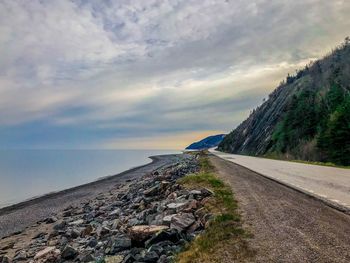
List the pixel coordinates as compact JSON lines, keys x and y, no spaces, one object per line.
{"x":286,"y":225}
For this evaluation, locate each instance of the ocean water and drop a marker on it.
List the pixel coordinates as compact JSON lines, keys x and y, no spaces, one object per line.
{"x":25,"y":174}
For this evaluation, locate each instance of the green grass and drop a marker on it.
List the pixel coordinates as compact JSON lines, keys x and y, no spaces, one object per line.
{"x":224,"y":235}
{"x":279,"y":157}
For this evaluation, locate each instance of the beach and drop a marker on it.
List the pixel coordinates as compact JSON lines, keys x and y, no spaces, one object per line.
{"x":16,"y":218}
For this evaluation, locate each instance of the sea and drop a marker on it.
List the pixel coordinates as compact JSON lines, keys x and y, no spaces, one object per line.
{"x":25,"y":174}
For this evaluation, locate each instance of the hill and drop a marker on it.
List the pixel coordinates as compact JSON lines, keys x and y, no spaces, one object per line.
{"x":307,"y":117}
{"x":206,"y":143}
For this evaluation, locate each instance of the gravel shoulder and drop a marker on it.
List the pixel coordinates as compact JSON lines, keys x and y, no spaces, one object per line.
{"x":287,"y":226}
{"x":17,"y":217}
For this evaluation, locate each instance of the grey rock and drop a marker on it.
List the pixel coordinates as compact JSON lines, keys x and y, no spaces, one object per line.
{"x":182,"y":221}
{"x":60,"y":226}
{"x":120,"y":244}
{"x":20,"y":255}
{"x":150,"y":256}
{"x":69,"y":252}
{"x":5,"y":259}
{"x":50,"y":220}
{"x":92,"y":243}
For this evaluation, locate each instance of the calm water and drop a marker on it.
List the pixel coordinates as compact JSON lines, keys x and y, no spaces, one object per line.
{"x":28,"y":173}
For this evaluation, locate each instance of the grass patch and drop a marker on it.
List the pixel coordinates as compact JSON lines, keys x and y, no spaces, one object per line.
{"x":224,"y":239}
{"x":281,"y":158}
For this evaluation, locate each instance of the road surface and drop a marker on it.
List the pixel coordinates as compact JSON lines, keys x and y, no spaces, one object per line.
{"x":332,"y":185}
{"x":286,"y":225}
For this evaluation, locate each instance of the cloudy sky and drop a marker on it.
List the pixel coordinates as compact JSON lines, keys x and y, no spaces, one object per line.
{"x":149,"y":74}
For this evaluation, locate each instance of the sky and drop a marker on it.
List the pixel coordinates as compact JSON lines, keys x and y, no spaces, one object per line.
{"x":155,"y":74}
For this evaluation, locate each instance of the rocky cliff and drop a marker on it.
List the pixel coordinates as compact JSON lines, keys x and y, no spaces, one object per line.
{"x":306,"y":117}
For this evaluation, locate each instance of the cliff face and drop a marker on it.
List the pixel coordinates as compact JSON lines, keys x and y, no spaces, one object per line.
{"x":303,"y":118}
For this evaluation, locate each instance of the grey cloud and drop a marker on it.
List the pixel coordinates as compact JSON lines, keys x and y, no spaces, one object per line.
{"x":154,"y":64}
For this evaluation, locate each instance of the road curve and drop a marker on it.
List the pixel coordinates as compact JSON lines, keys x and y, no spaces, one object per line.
{"x":329,"y":184}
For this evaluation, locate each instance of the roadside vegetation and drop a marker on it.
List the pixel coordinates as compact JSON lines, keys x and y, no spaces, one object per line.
{"x":307,"y":117}
{"x":224,"y":239}
{"x":279,"y":157}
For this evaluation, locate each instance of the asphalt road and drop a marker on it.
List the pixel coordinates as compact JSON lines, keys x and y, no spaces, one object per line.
{"x":286,"y":225}
{"x":329,"y":184}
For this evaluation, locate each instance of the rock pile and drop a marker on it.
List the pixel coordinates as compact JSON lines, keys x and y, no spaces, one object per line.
{"x":146,"y":220}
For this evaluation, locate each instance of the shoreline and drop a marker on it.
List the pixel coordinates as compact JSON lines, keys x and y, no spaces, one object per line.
{"x":38,"y":198}
{"x":16,"y":217}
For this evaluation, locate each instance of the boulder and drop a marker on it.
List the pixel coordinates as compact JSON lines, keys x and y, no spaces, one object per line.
{"x":20,"y":255}
{"x":120,"y":244}
{"x":69,"y":252}
{"x":5,"y":259}
{"x":60,"y":226}
{"x":77,"y":222}
{"x":151,"y":191}
{"x":87,"y":231}
{"x":167,"y":219}
{"x":150,"y":256}
{"x":102,"y":231}
{"x":50,"y":220}
{"x":44,"y":252}
{"x":206,"y":192}
{"x":177,"y":207}
{"x":114,"y":259}
{"x":182,"y":221}
{"x":142,"y":232}
{"x":170,"y":235}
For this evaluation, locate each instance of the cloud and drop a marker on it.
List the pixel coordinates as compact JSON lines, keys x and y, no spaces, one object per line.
{"x":132,"y":70}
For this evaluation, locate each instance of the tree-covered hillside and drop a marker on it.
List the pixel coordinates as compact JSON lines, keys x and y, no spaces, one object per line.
{"x":307,"y":117}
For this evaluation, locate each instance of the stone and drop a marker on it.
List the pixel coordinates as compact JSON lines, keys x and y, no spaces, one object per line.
{"x":44,"y":252}
{"x":102,"y":231}
{"x":20,"y":255}
{"x":172,"y":196}
{"x":39,"y":235}
{"x":92,"y":243}
{"x":120,"y":244}
{"x":115,"y":212}
{"x":114,"y":259}
{"x":129,"y":259}
{"x":134,"y":222}
{"x":195,"y":227}
{"x":77,"y":222}
{"x":195,"y":192}
{"x":151,"y":191}
{"x":5,"y":259}
{"x":167,"y":219}
{"x":150,"y":256}
{"x":182,"y":221}
{"x":206,"y":192}
{"x":8,"y":246}
{"x":69,"y":252}
{"x":87,"y":257}
{"x":142,"y":232}
{"x":87,"y":231}
{"x":50,"y":220}
{"x":191,"y":206}
{"x":60,"y":226}
{"x":171,"y":235}
{"x":177,"y":207}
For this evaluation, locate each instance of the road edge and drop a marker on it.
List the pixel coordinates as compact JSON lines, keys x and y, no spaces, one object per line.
{"x":327,"y":202}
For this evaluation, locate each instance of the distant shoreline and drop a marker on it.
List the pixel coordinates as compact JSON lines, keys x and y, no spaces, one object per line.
{"x":18,"y":216}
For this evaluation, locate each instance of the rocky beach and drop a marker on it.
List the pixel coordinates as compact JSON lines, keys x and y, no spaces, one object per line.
{"x":143,"y":216}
